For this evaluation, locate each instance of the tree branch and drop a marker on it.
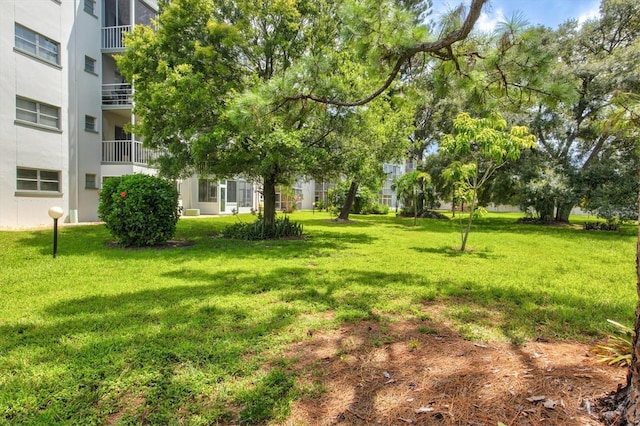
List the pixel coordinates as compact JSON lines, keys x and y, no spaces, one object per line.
{"x":443,"y":43}
{"x":596,"y":150}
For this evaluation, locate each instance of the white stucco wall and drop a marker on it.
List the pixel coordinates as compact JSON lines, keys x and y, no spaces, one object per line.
{"x":34,"y":79}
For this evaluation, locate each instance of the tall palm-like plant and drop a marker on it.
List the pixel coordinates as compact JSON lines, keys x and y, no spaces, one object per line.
{"x":409,"y":187}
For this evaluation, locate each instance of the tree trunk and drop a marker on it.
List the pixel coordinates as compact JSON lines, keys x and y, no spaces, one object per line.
{"x":626,"y":401}
{"x":545,"y":211}
{"x":563,"y":211}
{"x":632,"y":407}
{"x":348,"y":202}
{"x":269,"y":195}
{"x":466,"y":233}
{"x":415,"y":209}
{"x":472,"y":209}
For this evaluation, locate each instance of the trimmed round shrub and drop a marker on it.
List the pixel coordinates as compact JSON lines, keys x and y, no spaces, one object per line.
{"x":139,"y":210}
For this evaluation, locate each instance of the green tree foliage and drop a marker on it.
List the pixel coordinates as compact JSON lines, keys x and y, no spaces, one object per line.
{"x":218,"y":84}
{"x":543,"y":189}
{"x":183,"y":71}
{"x":363,"y":201}
{"x":139,"y":210}
{"x":373,"y":134}
{"x":481,"y":146}
{"x":612,"y":188}
{"x":410,"y":188}
{"x":224,"y":88}
{"x":579,"y":129}
{"x":206,"y":83}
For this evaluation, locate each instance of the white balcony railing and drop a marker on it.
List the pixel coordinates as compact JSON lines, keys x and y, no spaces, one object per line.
{"x":126,"y":152}
{"x":116,"y":94}
{"x":112,"y":37}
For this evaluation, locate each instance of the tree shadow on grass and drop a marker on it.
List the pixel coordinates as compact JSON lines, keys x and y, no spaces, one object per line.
{"x":455,"y":252}
{"x":209,"y":338}
{"x":568,"y":231}
{"x":198,"y":350}
{"x":163,"y":346}
{"x":94,"y":240}
{"x":531,"y":313}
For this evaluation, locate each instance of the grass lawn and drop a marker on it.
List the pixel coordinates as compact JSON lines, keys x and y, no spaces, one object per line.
{"x":197,"y":335}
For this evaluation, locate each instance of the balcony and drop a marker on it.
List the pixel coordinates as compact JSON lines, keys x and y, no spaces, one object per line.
{"x":116,"y":95}
{"x":112,"y":38}
{"x":126,"y":152}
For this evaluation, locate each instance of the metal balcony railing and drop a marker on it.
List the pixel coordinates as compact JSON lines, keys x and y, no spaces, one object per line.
{"x":116,"y":94}
{"x":112,"y":37}
{"x":126,"y":152}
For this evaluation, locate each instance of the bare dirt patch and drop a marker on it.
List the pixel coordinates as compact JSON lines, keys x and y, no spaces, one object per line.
{"x":405,"y":373}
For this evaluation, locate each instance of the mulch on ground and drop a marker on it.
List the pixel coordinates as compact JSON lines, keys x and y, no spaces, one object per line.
{"x":393,"y":374}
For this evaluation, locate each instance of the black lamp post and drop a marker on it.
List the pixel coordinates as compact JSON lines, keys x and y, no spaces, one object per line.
{"x":55,"y":213}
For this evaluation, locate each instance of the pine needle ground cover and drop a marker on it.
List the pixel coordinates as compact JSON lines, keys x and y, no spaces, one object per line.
{"x":206,"y":333}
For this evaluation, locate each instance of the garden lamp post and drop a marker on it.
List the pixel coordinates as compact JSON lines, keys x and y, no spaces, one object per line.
{"x":55,"y":213}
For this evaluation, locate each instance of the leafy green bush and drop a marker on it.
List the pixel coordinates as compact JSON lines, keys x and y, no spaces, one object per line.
{"x":363,"y":201}
{"x":376,"y":208}
{"x":601,"y":226}
{"x":281,"y":228}
{"x":429,"y":214}
{"x":139,"y":210}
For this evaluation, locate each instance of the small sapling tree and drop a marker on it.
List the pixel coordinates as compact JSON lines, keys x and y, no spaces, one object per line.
{"x":480,"y":146}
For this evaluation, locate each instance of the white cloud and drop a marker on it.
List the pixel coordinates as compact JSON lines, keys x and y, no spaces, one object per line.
{"x":592,"y":12}
{"x":487,"y":22}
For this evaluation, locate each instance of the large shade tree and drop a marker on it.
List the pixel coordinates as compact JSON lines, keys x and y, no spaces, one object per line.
{"x":205,"y":82}
{"x":578,"y":130}
{"x":226,"y":88}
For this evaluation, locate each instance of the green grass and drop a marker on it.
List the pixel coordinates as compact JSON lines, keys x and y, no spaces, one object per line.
{"x":196,"y":335}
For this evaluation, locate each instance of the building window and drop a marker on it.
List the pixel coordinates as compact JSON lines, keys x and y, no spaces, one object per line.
{"x":37,"y":180}
{"x":89,"y":123}
{"x":245,"y":194}
{"x":89,"y":64}
{"x":144,"y":14}
{"x":207,"y":191}
{"x":90,"y":7}
{"x":385,"y":199}
{"x":232,"y":191}
{"x":37,"y":45}
{"x":279,"y":204}
{"x":37,"y":113}
{"x":90,"y":181}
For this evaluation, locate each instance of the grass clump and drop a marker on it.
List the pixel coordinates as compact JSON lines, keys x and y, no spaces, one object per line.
{"x":618,"y":348}
{"x":282,"y":227}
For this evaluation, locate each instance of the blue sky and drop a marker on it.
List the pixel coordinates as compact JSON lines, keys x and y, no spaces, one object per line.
{"x":550,"y":13}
